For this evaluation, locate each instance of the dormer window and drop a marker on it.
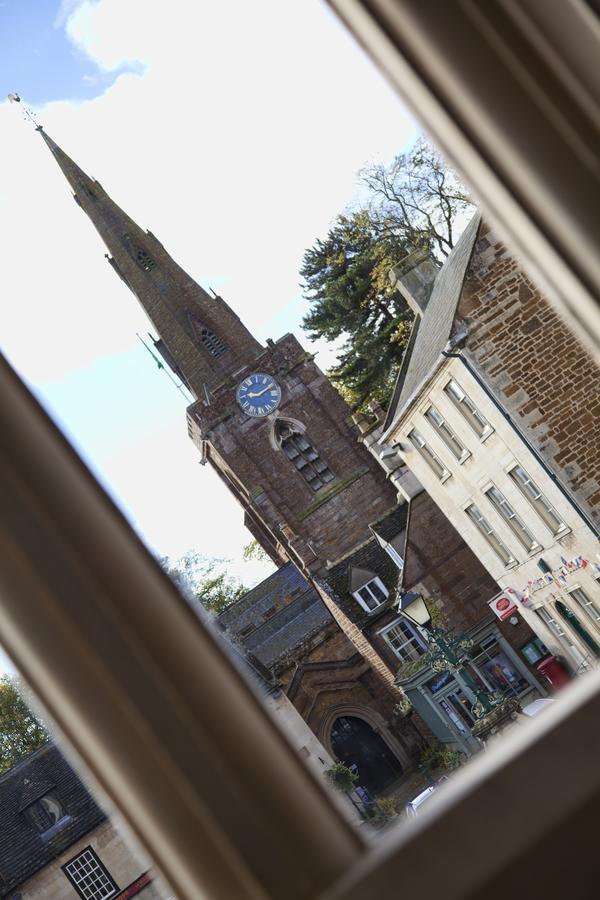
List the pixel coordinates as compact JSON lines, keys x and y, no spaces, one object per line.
{"x":372,"y":594}
{"x":47,"y":815}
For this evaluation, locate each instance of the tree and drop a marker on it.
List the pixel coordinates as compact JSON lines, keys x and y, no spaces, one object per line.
{"x":205,"y":579}
{"x":253,"y":552}
{"x":413,"y":203}
{"x":21,"y":732}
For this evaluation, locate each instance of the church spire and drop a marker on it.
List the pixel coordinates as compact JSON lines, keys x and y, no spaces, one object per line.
{"x":200,"y":337}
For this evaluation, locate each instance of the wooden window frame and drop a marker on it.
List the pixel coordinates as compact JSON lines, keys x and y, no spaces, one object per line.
{"x":507,"y":90}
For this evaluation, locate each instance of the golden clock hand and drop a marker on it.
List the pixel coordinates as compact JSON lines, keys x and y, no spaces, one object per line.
{"x":259,"y":393}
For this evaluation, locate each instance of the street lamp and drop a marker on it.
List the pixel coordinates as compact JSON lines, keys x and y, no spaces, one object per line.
{"x":443,"y":648}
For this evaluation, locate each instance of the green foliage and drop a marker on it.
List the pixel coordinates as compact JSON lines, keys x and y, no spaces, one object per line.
{"x":21,"y":732}
{"x":384,"y":810}
{"x":341,"y":777}
{"x":413,"y":203}
{"x":438,"y":757}
{"x":253,"y":552}
{"x":206,"y":579}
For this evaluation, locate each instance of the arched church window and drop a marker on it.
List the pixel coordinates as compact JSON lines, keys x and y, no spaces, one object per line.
{"x":213,"y":343}
{"x":301,"y":452}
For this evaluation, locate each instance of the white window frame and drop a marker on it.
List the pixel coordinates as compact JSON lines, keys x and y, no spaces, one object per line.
{"x":490,"y":535}
{"x":537,"y":502}
{"x":439,"y":425}
{"x":506,"y":511}
{"x":402,"y":622}
{"x":378,"y":603}
{"x":427,"y":453}
{"x":468,"y":410}
{"x":585,"y":604}
{"x":88,"y":865}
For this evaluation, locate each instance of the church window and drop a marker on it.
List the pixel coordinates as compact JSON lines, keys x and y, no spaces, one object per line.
{"x":89,"y":877}
{"x":304,"y":456}
{"x":144,"y":260}
{"x":213,"y":343}
{"x":372,"y":594}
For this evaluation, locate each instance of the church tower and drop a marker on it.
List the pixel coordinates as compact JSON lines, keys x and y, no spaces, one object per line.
{"x":273,"y":427}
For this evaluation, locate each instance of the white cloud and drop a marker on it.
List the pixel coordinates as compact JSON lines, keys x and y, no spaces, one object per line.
{"x":236,"y":145}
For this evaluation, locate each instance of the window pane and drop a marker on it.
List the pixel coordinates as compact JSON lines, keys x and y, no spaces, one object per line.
{"x":530,"y":490}
{"x":503,"y":507}
{"x":427,"y":453}
{"x":445,"y":432}
{"x":490,"y":535}
{"x":476,"y":420}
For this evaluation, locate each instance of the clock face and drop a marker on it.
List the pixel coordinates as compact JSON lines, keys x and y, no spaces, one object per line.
{"x":259,"y":394}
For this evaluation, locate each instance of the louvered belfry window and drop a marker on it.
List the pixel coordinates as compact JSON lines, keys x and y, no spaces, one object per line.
{"x":144,"y":260}
{"x":213,"y":343}
{"x":304,"y":456}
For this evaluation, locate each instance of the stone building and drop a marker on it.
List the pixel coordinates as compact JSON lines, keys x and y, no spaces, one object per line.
{"x":281,"y":439}
{"x":56,"y":843}
{"x":494,"y":412}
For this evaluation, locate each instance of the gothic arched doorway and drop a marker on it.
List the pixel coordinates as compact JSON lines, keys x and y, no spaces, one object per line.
{"x":356,"y":743}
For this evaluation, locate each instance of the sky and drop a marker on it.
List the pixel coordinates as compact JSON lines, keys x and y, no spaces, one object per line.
{"x":234,"y":131}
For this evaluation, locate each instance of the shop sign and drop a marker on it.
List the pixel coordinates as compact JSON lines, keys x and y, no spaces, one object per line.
{"x":503,"y":605}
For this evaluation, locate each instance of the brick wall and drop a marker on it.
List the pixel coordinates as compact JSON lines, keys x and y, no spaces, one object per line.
{"x":546,"y":380}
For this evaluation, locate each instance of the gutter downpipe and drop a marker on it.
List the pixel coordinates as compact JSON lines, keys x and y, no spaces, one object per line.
{"x":554,"y":478}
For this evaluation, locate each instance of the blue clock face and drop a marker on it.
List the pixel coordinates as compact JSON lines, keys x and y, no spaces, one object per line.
{"x":259,"y":394}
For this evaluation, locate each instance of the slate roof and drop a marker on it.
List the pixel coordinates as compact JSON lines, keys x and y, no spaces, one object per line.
{"x":284,"y":611}
{"x":23,"y":851}
{"x":373,"y":557}
{"x":431,"y":331}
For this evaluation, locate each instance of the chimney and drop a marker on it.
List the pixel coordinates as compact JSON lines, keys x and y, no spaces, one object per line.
{"x":414,"y":277}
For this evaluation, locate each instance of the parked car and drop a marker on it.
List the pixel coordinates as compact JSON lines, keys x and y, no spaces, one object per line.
{"x":414,"y":806}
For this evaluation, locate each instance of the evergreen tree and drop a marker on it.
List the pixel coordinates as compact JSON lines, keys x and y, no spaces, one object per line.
{"x":413,"y":203}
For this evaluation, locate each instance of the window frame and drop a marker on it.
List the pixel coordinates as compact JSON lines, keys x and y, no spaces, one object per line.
{"x":445,"y":433}
{"x":588,"y":607}
{"x":99,"y":865}
{"x":511,"y":518}
{"x":376,"y":580}
{"x":479,"y":521}
{"x":551,"y":510}
{"x":428,"y":454}
{"x":464,"y":403}
{"x":403,"y":622}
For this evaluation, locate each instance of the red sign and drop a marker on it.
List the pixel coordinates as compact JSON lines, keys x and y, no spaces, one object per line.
{"x":138,"y":885}
{"x":503,"y":605}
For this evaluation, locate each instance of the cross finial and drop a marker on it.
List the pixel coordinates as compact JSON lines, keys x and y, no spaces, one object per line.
{"x":28,"y":114}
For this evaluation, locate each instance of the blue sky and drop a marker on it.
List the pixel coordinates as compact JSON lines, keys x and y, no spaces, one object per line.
{"x":235,"y":149}
{"x":39,"y":61}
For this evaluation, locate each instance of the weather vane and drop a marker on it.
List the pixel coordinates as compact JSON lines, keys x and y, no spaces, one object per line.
{"x":28,"y":114}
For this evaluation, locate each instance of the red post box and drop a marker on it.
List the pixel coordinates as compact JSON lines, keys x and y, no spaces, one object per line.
{"x":554,"y":671}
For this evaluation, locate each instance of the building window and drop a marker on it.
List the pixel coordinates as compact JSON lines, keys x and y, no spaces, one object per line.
{"x":404,"y":640}
{"x":587,"y":604}
{"x":531,"y":492}
{"x":467,"y":408}
{"x":553,"y":624}
{"x":484,"y":527}
{"x":431,"y":458}
{"x":372,"y":594}
{"x":144,"y":260}
{"x":89,"y":877}
{"x":515,"y":522}
{"x":304,"y":456}
{"x":213,"y":343}
{"x":496,"y":671}
{"x":46,"y":813}
{"x":435,"y":418}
